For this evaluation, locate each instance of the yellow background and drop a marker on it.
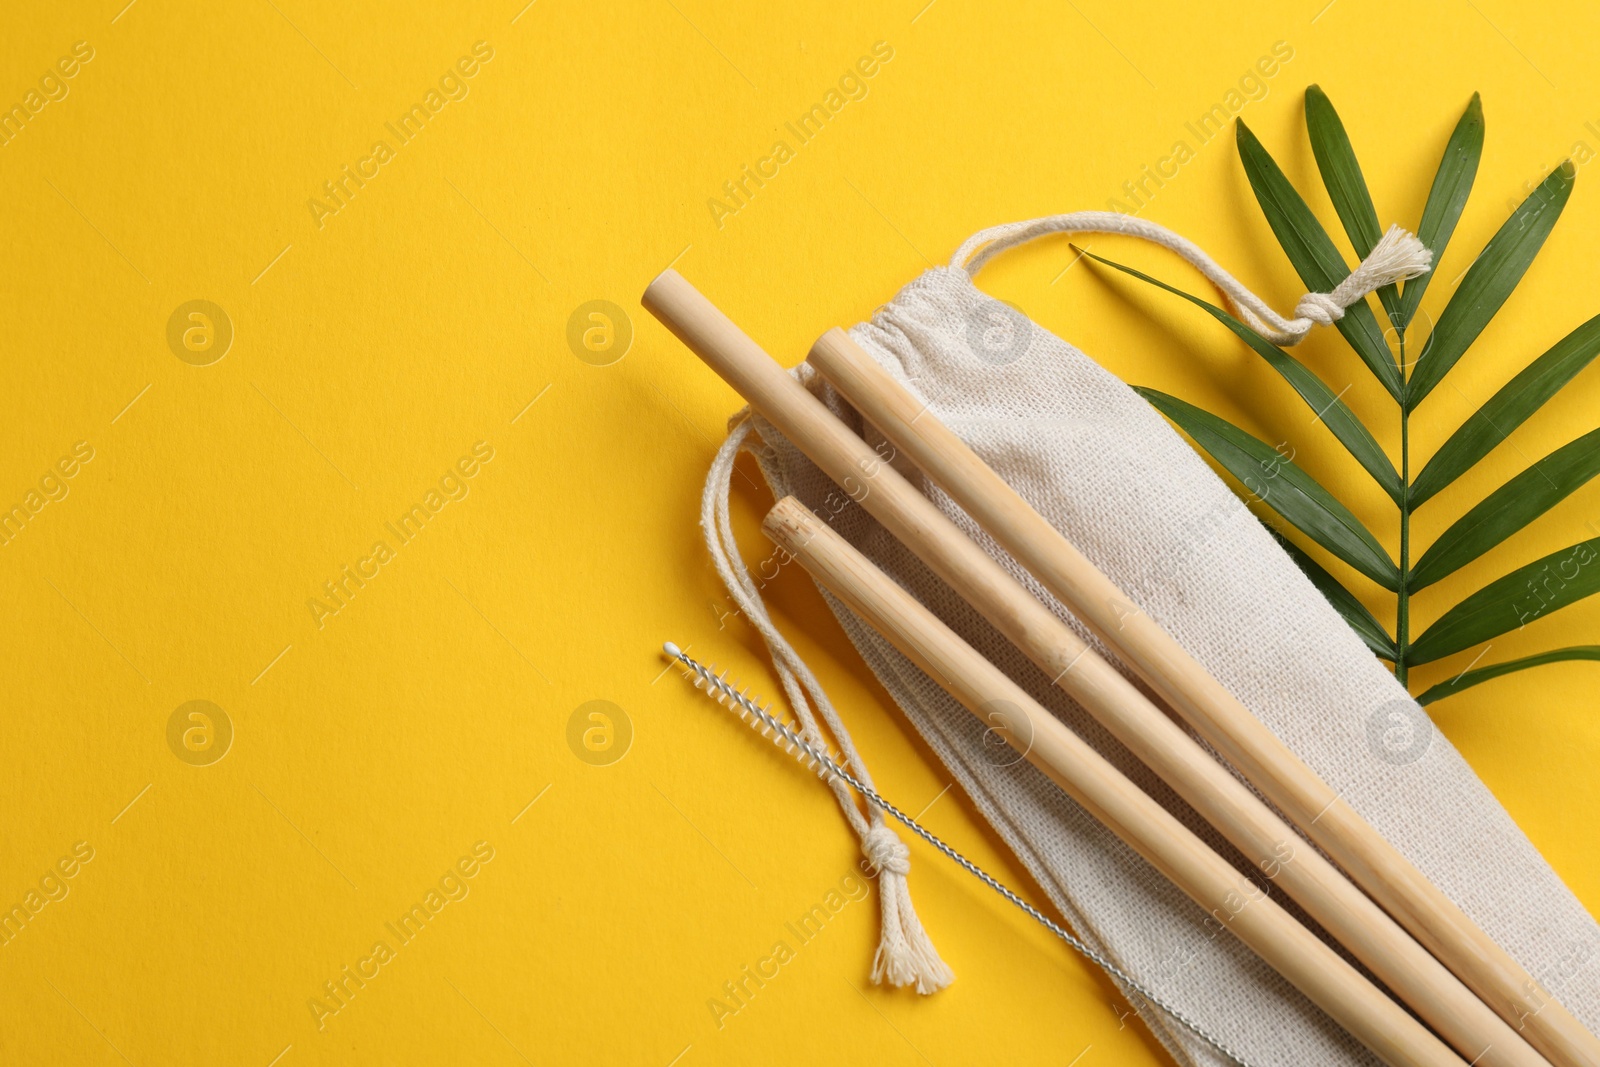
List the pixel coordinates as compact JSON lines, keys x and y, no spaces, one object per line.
{"x":369,"y":354}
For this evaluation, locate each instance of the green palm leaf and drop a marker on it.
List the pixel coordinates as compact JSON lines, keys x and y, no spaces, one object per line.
{"x":1283,"y":487}
{"x":1541,"y":588}
{"x":1489,"y":281}
{"x":1347,"y":188}
{"x":1468,"y":679}
{"x":1507,"y":410}
{"x":1448,"y":196}
{"x":1324,"y":402}
{"x":1509,"y":508}
{"x":1528,"y":593}
{"x":1314,"y":256}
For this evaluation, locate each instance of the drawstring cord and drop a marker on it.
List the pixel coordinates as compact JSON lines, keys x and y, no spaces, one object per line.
{"x":1396,"y":257}
{"x":905,"y":954}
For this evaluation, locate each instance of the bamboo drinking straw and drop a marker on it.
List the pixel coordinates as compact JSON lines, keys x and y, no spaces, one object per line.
{"x":1209,"y":880}
{"x":1214,"y":712}
{"x":1342,"y":909}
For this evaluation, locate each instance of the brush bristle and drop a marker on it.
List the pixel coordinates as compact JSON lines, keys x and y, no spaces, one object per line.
{"x":759,"y":716}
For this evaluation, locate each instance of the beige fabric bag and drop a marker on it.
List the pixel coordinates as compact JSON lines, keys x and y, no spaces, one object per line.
{"x":1106,"y":469}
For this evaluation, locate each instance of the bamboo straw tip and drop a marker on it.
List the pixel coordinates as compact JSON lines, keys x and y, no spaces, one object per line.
{"x":657,"y":293}
{"x":830,"y":343}
{"x":789,"y":523}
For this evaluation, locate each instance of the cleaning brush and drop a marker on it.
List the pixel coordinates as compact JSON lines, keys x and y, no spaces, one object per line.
{"x":827,"y":766}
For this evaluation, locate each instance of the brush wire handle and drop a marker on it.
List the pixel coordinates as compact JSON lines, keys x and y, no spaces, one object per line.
{"x":759,"y":717}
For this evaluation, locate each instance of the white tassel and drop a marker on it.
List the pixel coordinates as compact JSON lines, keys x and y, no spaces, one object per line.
{"x":1396,"y":257}
{"x":905,"y":955}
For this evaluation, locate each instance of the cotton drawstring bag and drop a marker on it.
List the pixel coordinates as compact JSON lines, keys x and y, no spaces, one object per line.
{"x":1104,"y":467}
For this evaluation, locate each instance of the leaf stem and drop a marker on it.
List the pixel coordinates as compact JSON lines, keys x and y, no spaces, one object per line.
{"x":1402,"y":619}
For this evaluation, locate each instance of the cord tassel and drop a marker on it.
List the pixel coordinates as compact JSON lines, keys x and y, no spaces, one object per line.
{"x":1396,"y":257}
{"x":905,"y":954}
